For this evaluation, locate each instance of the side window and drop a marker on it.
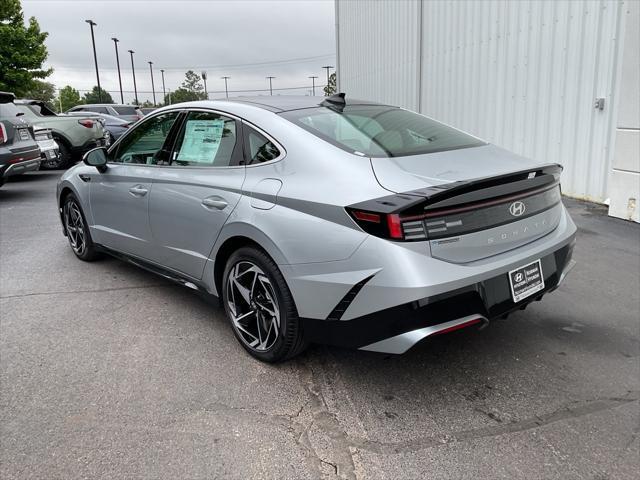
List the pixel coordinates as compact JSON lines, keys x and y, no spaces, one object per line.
{"x":143,"y":145}
{"x":206,"y":139}
{"x":258,"y":148}
{"x":99,"y":109}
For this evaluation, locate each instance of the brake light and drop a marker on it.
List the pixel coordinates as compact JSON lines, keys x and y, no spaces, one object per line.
{"x":386,"y":225}
{"x":85,"y":122}
{"x":3,"y":133}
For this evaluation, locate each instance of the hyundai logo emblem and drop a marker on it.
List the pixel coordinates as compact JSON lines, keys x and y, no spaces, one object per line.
{"x":516,"y":209}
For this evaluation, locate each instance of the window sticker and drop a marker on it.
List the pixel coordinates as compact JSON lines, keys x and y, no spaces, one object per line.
{"x":201,"y":141}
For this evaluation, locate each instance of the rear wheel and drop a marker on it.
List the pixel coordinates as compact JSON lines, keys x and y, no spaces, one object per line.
{"x":260,"y":307}
{"x":64,"y":160}
{"x":77,"y":230}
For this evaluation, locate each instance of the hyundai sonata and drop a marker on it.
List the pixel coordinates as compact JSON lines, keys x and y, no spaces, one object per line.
{"x":326,"y":220}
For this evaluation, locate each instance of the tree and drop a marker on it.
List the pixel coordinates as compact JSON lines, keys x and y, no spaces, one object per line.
{"x":68,"y":98}
{"x":193,"y":84}
{"x":22,"y":50}
{"x":94,"y":96}
{"x":40,"y":90}
{"x":331,"y":88}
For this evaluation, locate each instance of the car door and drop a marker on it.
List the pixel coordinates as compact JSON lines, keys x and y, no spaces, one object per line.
{"x":119,"y":196}
{"x":192,"y":198}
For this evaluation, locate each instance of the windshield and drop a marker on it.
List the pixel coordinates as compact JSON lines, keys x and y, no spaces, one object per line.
{"x":126,"y":110}
{"x":380,"y":131}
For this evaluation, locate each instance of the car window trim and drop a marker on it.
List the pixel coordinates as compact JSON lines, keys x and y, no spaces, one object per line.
{"x":283,"y":152}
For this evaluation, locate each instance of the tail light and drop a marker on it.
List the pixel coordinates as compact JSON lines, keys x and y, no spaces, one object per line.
{"x":386,"y":225}
{"x":85,"y":122}
{"x":3,"y":133}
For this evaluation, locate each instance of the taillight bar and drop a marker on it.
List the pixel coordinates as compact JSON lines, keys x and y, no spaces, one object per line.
{"x":86,"y":122}
{"x":3,"y":133}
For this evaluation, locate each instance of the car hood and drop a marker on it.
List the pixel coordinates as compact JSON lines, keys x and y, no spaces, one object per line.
{"x":405,"y":174}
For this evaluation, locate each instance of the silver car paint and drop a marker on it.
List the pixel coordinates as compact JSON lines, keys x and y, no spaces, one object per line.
{"x":294,"y":208}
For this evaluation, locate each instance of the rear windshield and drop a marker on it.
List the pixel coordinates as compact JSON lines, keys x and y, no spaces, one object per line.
{"x":126,"y":110}
{"x":380,"y":131}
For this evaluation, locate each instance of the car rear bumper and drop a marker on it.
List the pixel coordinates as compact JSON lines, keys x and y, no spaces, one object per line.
{"x":18,"y":163}
{"x":397,"y":329}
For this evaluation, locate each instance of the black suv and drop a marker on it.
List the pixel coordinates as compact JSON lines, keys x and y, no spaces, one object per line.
{"x":19,"y":152}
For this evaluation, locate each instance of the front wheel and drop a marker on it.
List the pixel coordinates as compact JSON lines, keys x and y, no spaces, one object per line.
{"x":260,"y":307}
{"x":77,"y":230}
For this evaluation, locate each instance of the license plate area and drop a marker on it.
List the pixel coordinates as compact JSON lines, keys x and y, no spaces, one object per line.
{"x":24,"y":134}
{"x":526,"y":281}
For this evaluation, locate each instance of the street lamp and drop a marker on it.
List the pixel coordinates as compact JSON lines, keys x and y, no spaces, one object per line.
{"x":153,"y":88}
{"x":226,"y":89}
{"x":327,"y":67}
{"x":270,"y":85}
{"x":204,"y":78}
{"x":313,"y":80}
{"x":133,"y":70}
{"x":95,"y":57}
{"x":164,"y":92}
{"x":115,"y":42}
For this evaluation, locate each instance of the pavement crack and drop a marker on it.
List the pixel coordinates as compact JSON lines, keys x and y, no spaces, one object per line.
{"x":564,"y":413}
{"x":98,"y":290}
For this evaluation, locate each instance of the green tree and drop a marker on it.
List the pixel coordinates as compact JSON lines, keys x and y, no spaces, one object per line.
{"x":68,"y":98}
{"x":22,"y":49}
{"x":193,"y":84}
{"x":331,"y":88}
{"x":94,"y":96}
{"x":40,"y":90}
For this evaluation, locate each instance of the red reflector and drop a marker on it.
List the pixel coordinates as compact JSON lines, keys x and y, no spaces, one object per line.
{"x":458,"y":327}
{"x":395,"y":226}
{"x":86,"y":123}
{"x":367,"y":217}
{"x":3,"y":133}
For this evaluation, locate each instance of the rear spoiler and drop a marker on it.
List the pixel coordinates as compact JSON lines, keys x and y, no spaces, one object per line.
{"x":7,"y":97}
{"x":464,"y":192}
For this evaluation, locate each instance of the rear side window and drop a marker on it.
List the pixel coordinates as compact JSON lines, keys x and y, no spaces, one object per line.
{"x":206,"y":139}
{"x":380,"y":131}
{"x":258,"y":148}
{"x":125,"y":110}
{"x":97,"y":109}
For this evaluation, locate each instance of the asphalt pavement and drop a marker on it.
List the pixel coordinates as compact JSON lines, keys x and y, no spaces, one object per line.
{"x":108,"y":371}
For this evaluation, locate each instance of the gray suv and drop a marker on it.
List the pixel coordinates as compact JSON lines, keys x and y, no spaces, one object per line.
{"x":131,"y":113}
{"x":19,"y":152}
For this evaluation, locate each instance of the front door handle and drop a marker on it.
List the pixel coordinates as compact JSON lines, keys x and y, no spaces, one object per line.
{"x":138,"y":191}
{"x":215,"y":202}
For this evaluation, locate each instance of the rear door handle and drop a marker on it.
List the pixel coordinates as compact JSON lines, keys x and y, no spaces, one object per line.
{"x":138,"y":191}
{"x":215,"y":202}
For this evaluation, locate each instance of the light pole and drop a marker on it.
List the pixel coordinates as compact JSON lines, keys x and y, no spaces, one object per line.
{"x":270,"y":85}
{"x":226,"y":88}
{"x":327,"y":67}
{"x":133,"y":70}
{"x":95,"y":57}
{"x":204,"y":78}
{"x":153,"y":88}
{"x":115,"y":42}
{"x":164,"y":92}
{"x":313,"y":80}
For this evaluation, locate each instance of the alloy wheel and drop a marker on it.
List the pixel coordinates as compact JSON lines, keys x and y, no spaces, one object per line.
{"x":74,"y":225}
{"x":253,"y":306}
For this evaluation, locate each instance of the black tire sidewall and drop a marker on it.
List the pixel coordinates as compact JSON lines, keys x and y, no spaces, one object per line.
{"x":89,"y":250}
{"x":281,"y":348}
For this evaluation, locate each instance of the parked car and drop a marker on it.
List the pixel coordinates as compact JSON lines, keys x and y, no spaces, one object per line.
{"x":49,"y":149}
{"x":19,"y":152}
{"x":148,"y":110}
{"x":113,"y":125}
{"x":324,"y":219}
{"x":130,"y":113}
{"x":74,"y":136}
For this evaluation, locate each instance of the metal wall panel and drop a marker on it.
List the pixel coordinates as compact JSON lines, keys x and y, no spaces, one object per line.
{"x":522,"y":74}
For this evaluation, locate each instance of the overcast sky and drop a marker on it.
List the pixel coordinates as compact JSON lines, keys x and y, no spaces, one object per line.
{"x":246,"y":40}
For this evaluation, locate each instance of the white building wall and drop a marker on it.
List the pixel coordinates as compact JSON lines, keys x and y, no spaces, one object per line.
{"x":521,"y":74}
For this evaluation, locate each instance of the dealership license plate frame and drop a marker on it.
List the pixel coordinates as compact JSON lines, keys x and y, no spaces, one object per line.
{"x":530,"y":284}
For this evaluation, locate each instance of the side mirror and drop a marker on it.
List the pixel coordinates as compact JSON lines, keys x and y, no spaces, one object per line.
{"x":96,"y":158}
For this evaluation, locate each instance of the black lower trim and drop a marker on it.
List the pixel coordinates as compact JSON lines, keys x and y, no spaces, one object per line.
{"x":490,"y":298}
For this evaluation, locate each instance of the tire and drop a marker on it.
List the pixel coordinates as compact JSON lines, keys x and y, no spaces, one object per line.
{"x":62,"y":162}
{"x":77,"y":230}
{"x":268,"y":295}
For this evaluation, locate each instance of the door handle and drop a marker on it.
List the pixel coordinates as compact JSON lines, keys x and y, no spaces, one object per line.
{"x":138,"y":191}
{"x":215,"y":202}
